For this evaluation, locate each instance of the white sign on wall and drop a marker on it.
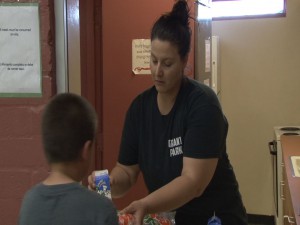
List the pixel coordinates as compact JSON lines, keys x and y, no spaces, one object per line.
{"x":207,"y":56}
{"x":141,"y":50}
{"x":20,"y":60}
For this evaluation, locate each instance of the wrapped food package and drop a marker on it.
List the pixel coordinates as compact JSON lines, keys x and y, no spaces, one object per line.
{"x":125,"y":219}
{"x":150,"y":219}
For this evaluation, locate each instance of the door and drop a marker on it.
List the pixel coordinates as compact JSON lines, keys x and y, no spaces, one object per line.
{"x":203,"y":31}
{"x":102,"y":87}
{"x":91,"y":65}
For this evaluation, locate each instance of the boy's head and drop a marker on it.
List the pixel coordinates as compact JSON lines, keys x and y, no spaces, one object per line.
{"x":68,"y":122}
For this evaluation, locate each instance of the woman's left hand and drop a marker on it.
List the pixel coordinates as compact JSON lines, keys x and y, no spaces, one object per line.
{"x":138,"y":209}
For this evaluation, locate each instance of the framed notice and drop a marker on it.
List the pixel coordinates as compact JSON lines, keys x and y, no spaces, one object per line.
{"x":207,"y":56}
{"x":141,"y":49}
{"x":20,"y":53}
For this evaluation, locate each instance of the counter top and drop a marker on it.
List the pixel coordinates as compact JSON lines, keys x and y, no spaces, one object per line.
{"x":291,"y":147}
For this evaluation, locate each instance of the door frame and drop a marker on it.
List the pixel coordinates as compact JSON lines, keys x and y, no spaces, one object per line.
{"x":90,"y":12}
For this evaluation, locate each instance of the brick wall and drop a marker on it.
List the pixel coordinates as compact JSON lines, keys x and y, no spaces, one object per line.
{"x":22,"y":162}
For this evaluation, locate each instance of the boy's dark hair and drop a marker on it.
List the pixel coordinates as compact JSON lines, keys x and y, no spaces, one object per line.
{"x":68,"y":122}
{"x":174,"y":27}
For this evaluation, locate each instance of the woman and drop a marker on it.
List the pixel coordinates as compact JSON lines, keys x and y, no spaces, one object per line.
{"x":175,"y":134}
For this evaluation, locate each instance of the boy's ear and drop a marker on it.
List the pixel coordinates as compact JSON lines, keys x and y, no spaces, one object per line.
{"x":185,"y":60}
{"x":86,"y":150}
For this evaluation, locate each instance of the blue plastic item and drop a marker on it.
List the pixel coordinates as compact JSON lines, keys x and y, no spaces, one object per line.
{"x":214,"y":221}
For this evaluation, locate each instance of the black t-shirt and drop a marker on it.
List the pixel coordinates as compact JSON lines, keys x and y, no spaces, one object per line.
{"x":195,"y":128}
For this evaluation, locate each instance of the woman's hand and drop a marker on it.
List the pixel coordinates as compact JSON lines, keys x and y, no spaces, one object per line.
{"x":138,"y":209}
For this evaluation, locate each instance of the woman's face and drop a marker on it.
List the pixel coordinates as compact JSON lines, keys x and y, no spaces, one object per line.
{"x":166,"y":66}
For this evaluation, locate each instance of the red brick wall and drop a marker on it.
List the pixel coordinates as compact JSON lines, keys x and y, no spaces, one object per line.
{"x":22,"y":162}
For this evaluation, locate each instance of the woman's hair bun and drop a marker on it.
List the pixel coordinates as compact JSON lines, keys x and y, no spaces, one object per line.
{"x":174,"y":27}
{"x":181,"y":12}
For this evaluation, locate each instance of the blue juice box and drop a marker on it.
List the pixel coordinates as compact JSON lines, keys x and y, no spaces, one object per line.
{"x":102,"y":183}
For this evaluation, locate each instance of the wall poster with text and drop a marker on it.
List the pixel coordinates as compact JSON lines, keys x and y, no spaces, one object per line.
{"x":141,"y":49}
{"x":20,"y":52}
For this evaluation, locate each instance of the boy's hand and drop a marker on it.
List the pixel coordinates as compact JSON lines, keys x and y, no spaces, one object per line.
{"x":91,"y":181}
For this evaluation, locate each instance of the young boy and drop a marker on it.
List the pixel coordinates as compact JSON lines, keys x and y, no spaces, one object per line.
{"x":69,"y":126}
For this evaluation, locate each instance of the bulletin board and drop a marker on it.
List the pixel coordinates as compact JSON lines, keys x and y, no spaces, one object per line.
{"x":20,"y":50}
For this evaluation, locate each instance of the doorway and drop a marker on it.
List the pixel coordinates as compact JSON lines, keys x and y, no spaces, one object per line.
{"x":98,"y":88}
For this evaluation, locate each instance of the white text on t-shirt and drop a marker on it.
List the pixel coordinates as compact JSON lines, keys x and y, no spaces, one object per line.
{"x":175,"y":146}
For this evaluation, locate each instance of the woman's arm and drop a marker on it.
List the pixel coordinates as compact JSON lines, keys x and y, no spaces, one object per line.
{"x":122,"y":178}
{"x":196,"y":175}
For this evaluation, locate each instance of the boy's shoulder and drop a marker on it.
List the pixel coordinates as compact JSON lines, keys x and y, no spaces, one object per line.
{"x":74,"y":194}
{"x":74,"y":191}
{"x":67,"y":199}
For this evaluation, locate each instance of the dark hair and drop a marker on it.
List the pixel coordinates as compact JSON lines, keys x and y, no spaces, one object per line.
{"x":174,"y":27}
{"x":68,"y":122}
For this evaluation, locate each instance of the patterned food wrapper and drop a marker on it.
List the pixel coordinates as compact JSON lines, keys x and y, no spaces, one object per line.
{"x":150,"y":219}
{"x":103,"y":183}
{"x":125,"y":219}
{"x":157,"y":219}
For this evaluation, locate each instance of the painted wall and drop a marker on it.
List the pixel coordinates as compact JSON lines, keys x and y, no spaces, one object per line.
{"x":260,"y":88}
{"x":22,"y":162}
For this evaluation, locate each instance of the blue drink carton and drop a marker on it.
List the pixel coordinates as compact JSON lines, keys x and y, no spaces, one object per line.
{"x":102,"y":183}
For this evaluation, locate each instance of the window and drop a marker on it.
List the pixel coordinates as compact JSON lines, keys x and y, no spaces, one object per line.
{"x":230,"y":9}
